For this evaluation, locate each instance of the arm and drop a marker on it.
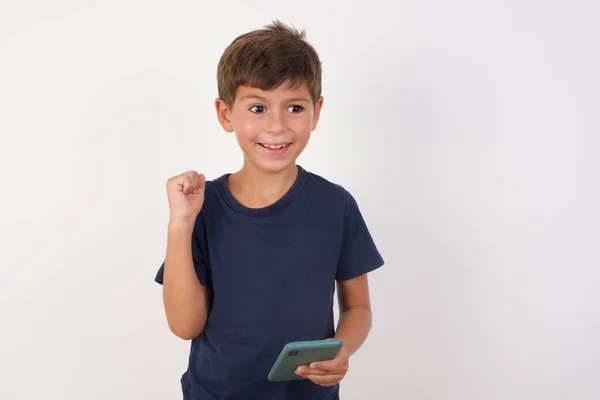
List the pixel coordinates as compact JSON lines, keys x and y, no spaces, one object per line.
{"x":358,"y":257}
{"x":353,"y":327}
{"x":355,"y":312}
{"x":185,"y":298}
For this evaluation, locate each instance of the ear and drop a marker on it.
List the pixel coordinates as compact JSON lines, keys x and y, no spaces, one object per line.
{"x":317,"y":112}
{"x":224,"y":115}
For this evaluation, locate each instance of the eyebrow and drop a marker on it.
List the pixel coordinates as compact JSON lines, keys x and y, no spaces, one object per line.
{"x":255,"y":96}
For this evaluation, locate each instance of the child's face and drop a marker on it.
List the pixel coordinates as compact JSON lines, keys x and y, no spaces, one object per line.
{"x":272,"y":127}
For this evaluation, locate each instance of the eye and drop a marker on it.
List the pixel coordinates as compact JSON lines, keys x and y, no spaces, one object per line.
{"x":257,"y":109}
{"x":295,"y":108}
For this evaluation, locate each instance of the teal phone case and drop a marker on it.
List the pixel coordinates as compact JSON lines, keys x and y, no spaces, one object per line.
{"x":295,"y":354}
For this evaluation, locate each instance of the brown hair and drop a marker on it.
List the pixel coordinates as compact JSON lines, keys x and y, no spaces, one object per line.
{"x":266,"y":58}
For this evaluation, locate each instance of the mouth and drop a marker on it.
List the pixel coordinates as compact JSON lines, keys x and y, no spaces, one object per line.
{"x":274,"y":146}
{"x":274,"y":149}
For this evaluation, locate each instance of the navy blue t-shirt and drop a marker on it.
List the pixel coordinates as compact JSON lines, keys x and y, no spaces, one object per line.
{"x":271,"y":272}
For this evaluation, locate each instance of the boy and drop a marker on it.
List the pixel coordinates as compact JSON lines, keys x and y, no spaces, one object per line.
{"x":253,"y":256}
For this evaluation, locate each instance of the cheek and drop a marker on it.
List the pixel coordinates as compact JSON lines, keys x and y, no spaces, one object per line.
{"x":248,"y":128}
{"x":302,"y":126}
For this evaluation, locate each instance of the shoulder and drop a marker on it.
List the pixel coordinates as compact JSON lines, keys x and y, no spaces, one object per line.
{"x":211,"y":192}
{"x":213,"y":196}
{"x":213,"y":204}
{"x":330,"y":189}
{"x":324,"y":185}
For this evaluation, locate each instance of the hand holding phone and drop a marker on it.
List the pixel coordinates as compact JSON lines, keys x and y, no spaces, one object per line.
{"x":303,"y":354}
{"x":328,"y":372}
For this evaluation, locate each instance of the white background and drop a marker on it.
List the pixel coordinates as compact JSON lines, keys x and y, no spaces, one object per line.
{"x":468,"y":131}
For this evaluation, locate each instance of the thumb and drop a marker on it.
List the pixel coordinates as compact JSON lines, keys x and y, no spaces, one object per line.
{"x":324,"y":365}
{"x":201,"y":184}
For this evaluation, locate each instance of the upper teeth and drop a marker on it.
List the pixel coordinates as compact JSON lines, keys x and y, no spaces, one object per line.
{"x":270,"y":146}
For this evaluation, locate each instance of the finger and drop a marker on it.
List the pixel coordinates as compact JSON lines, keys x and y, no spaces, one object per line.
{"x":194,"y":177}
{"x":325,"y":380}
{"x":328,"y":365}
{"x":185,"y":182}
{"x":194,"y":182}
{"x":311,"y":371}
{"x":189,"y":184}
{"x":190,"y":178}
{"x":200,"y":185}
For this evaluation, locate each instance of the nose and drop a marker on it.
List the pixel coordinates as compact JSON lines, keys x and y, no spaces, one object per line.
{"x":275,"y":123}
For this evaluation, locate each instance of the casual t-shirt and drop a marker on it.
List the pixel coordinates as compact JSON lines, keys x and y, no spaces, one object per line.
{"x":271,"y":273}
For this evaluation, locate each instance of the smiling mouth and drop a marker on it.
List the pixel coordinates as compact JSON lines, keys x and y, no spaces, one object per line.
{"x":274,"y":146}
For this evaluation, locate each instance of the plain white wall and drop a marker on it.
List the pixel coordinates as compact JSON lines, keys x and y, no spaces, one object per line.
{"x":467,"y":130}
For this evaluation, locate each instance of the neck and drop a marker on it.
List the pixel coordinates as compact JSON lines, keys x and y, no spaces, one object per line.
{"x":256,"y":188}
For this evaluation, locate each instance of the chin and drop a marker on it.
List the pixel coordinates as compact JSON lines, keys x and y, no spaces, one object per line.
{"x":274,"y":166}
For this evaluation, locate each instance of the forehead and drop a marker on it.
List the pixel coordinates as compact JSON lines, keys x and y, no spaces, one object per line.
{"x":282,"y":92}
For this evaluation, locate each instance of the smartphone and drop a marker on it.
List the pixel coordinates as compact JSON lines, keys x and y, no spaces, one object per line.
{"x":296,"y":354}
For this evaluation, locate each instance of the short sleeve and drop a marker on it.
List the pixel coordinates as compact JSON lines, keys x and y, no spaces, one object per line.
{"x":199,"y":254}
{"x":359,"y":254}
